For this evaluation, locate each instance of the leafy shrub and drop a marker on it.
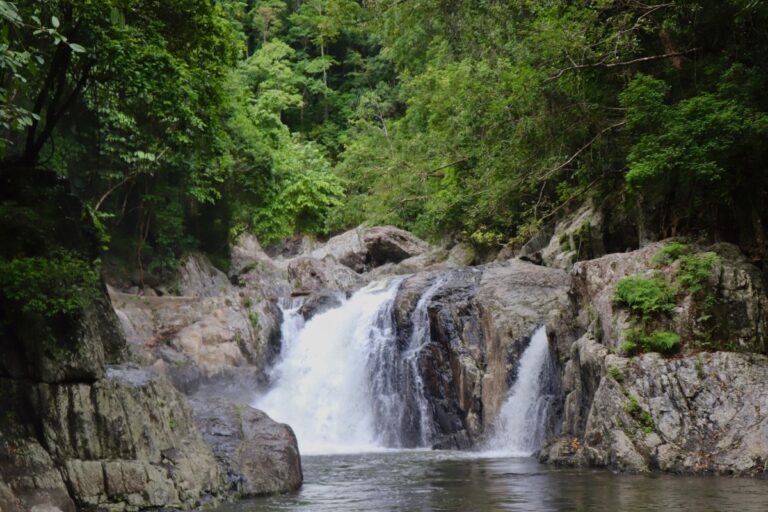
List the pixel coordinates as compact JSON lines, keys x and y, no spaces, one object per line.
{"x":645,"y":295}
{"x":664,"y":342}
{"x":628,"y":348}
{"x":615,"y":374}
{"x":695,"y":271}
{"x":669,"y":253}
{"x":634,"y":409}
{"x":58,"y":285}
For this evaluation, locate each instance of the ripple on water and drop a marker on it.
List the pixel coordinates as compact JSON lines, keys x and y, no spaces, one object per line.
{"x":434,"y":481}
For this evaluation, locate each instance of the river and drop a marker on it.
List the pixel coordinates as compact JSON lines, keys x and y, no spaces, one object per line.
{"x":431,"y":481}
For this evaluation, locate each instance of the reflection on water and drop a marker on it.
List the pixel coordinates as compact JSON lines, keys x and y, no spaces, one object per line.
{"x":449,"y":481}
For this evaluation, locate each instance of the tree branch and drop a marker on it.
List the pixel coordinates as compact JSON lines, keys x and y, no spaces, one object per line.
{"x":609,"y":65}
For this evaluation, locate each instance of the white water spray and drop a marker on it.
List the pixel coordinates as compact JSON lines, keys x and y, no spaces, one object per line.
{"x":519,"y":429}
{"x":322,"y":382}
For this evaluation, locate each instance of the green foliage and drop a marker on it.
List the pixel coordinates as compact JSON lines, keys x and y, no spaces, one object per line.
{"x":61,"y":284}
{"x":628,"y":347}
{"x":253,"y":317}
{"x":183,"y":123}
{"x":646,"y":296}
{"x":664,"y":342}
{"x":633,"y":408}
{"x":615,"y":374}
{"x":637,"y":340}
{"x":696,"y":271}
{"x":669,"y":253}
{"x":690,"y":144}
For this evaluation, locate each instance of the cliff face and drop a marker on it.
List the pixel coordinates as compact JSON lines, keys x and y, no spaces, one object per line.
{"x":80,"y":427}
{"x":697,"y":411}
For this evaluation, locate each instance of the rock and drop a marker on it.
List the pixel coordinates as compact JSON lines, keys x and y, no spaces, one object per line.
{"x":347,"y":249}
{"x":577,"y":237}
{"x":595,"y":287}
{"x":216,"y":327}
{"x":364,"y":248}
{"x":388,"y":244}
{"x":703,"y":413}
{"x":461,"y":255}
{"x":246,"y":252}
{"x":308,"y":275}
{"x":261,"y":456}
{"x":199,"y":278}
{"x":40,"y":351}
{"x":319,"y":302}
{"x":432,"y":260}
{"x":737,"y":323}
{"x":126,"y":440}
{"x":739,"y":314}
{"x":481,"y":320}
{"x":30,"y":480}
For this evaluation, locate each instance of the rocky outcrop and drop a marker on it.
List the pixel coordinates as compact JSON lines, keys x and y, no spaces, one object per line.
{"x":213,"y":328}
{"x":481,"y":321}
{"x":126,"y":441}
{"x":82,"y":430}
{"x":699,"y":412}
{"x":260,"y":455}
{"x":703,"y":413}
{"x":364,"y":248}
{"x":737,"y":321}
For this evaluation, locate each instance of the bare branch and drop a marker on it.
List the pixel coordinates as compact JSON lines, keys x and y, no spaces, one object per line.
{"x":609,"y":65}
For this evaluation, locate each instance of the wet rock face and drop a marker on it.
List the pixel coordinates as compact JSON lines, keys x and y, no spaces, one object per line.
{"x":480,"y":323}
{"x":320,"y":302}
{"x":260,"y":455}
{"x":704,"y":413}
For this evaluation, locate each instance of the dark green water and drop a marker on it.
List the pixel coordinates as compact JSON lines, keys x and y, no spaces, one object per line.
{"x":446,"y":481}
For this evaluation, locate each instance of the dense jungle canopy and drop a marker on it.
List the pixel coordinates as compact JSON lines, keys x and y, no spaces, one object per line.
{"x":182,"y":123}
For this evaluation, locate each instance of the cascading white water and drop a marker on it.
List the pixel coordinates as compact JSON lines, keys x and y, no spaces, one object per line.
{"x":519,"y":428}
{"x":403,"y":413}
{"x":346,"y":382}
{"x":323,"y":381}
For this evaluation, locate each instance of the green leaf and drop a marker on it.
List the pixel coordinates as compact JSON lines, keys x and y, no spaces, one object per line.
{"x":55,"y":22}
{"x":76,"y":48}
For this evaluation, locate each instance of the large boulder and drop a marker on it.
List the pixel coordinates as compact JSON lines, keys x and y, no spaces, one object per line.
{"x":309,"y":275}
{"x":364,"y":248}
{"x":260,"y":455}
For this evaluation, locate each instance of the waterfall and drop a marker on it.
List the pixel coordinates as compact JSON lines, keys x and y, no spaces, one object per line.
{"x":402,"y":412}
{"x":323,"y":380}
{"x":346,"y":382}
{"x":519,"y":429}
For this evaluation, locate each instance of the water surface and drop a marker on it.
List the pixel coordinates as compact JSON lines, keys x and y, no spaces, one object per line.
{"x":449,"y":481}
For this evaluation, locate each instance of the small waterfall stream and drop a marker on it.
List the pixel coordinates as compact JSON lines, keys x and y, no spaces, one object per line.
{"x":345,"y":383}
{"x":519,"y":428}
